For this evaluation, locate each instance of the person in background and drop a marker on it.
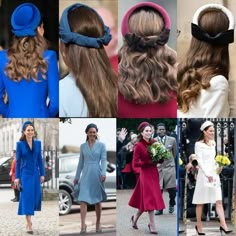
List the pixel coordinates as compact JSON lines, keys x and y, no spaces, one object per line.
{"x":13,"y":174}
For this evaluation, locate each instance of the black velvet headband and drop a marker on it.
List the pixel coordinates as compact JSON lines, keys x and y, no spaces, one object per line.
{"x":222,"y":38}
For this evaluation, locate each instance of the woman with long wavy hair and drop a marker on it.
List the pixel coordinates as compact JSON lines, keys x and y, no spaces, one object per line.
{"x":203,"y":75}
{"x":28,"y":71}
{"x":147,"y":66}
{"x":90,"y":88}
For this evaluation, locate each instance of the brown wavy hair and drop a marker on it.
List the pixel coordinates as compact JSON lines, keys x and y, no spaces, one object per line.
{"x":203,"y":60}
{"x":26,"y":58}
{"x":91,"y":67}
{"x":148,"y":76}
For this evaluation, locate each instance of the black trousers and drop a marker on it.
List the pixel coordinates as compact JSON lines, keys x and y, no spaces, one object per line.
{"x":172,"y":195}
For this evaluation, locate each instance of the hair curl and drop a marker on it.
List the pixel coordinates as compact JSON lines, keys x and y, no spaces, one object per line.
{"x":90,"y":67}
{"x":26,"y":58}
{"x":147,"y":75}
{"x":203,"y":60}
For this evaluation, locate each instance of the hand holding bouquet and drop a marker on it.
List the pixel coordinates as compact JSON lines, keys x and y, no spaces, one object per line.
{"x":222,"y":161}
{"x":158,"y":152}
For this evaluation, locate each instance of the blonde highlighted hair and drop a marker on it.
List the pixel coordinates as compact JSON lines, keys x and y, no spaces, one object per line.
{"x":26,"y":58}
{"x":148,"y":76}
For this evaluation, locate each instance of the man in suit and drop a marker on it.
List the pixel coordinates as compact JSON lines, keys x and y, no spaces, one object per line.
{"x":167,"y":171}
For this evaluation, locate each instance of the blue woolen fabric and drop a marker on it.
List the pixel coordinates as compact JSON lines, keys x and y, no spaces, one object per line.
{"x":29,"y":168}
{"x":25,"y":19}
{"x":29,"y":98}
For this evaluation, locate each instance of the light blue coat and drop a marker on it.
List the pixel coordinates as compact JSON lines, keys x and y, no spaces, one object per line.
{"x":92,"y":165}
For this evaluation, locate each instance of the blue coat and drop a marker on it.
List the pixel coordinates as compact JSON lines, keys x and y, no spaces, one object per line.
{"x":92,"y":165}
{"x":28,"y":98}
{"x":29,"y":168}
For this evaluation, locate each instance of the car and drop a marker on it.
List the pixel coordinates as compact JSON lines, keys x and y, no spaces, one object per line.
{"x":67,"y":169}
{"x":5,"y":168}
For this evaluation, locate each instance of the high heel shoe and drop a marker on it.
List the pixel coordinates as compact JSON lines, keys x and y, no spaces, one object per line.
{"x":225,"y":231}
{"x":133,"y":224}
{"x":29,"y":231}
{"x":98,"y":229}
{"x":152,"y":232}
{"x":83,"y":231}
{"x":198,"y":232}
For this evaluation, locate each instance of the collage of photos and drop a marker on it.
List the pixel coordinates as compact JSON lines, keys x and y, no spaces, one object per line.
{"x":117,"y":118}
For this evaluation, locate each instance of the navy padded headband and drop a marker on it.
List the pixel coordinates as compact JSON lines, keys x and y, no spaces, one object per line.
{"x":222,"y":38}
{"x":67,"y":36}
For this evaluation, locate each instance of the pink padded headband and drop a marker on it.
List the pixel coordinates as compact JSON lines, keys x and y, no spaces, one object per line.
{"x":161,"y":10}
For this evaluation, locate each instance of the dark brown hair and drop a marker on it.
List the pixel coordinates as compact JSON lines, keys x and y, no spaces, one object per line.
{"x":93,"y":73}
{"x":23,"y":137}
{"x":203,"y":60}
{"x":148,"y":76}
{"x":26,"y":58}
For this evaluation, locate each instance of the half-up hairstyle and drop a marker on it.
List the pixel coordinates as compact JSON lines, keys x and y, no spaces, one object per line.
{"x":90,"y":66}
{"x":204,"y":60}
{"x":26,"y":58}
{"x":147,"y":72}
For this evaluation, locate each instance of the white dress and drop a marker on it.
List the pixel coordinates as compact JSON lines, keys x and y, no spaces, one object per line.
{"x":71,"y":100}
{"x":206,"y":192}
{"x":212,"y":102}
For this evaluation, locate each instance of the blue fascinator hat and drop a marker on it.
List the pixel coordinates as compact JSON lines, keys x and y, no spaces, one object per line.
{"x":25,"y":124}
{"x":25,"y":19}
{"x":67,"y":36}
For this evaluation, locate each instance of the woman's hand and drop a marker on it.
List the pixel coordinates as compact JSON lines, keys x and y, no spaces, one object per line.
{"x":41,"y":179}
{"x":219,"y":169}
{"x":102,"y":178}
{"x":16,"y":182}
{"x":76,"y":181}
{"x":210,"y":179}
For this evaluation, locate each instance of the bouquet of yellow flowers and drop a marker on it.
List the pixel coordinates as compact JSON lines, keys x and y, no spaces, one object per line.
{"x":180,"y":162}
{"x":222,"y":161}
{"x":158,"y":152}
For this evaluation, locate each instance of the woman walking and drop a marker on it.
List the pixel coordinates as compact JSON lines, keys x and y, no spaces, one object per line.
{"x":147,"y":195}
{"x":90,"y":176}
{"x":208,"y":187}
{"x":29,"y":173}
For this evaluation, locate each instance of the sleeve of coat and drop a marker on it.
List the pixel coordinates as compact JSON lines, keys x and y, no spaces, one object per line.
{"x":53,"y":84}
{"x":3,"y":106}
{"x":18,"y":160}
{"x":80,"y":165}
{"x":200,"y":155}
{"x":137,"y":158}
{"x":103,"y":160}
{"x":216,"y":98}
{"x":40,"y":162}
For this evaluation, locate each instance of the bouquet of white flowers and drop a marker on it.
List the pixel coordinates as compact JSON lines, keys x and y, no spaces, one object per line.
{"x":158,"y":152}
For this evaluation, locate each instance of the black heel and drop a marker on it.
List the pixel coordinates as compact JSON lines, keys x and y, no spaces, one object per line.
{"x":198,"y":232}
{"x":133,"y":224}
{"x":225,"y":231}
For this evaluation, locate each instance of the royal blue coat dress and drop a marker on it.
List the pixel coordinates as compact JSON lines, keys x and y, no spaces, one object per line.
{"x":29,"y":168}
{"x":92,"y":165}
{"x":29,"y":98}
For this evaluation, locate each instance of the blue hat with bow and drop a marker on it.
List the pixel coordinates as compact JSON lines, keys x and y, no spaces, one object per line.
{"x":67,"y":36}
{"x":25,"y":19}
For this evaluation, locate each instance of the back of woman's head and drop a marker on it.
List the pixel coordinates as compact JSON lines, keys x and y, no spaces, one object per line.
{"x":204,"y":60}
{"x":26,"y":52}
{"x":90,"y":66}
{"x":140,"y":22}
{"x":146,"y":66}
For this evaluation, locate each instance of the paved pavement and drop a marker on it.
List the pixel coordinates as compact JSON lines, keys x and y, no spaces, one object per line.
{"x":44,"y":223}
{"x":166,"y":224}
{"x":70,"y":224}
{"x":210,"y":228}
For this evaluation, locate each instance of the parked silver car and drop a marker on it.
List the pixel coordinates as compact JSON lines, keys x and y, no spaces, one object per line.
{"x":67,"y":169}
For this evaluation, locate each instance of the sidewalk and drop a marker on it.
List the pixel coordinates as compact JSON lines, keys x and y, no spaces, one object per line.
{"x":44,"y":222}
{"x":166,"y":224}
{"x":210,"y":228}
